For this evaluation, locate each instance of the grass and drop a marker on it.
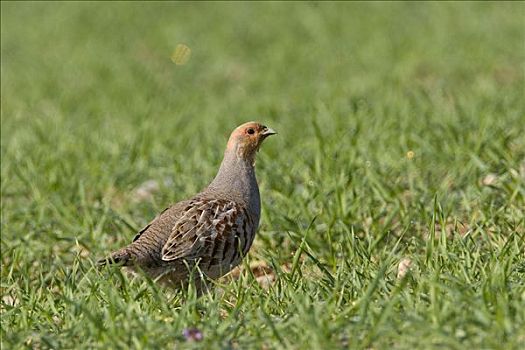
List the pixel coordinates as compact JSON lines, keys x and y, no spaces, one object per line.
{"x":400,"y":137}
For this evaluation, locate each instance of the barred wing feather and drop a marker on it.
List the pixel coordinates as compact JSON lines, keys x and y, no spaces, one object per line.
{"x":202,"y":222}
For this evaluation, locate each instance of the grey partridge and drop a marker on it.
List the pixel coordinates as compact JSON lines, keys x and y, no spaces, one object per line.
{"x":208,"y":235}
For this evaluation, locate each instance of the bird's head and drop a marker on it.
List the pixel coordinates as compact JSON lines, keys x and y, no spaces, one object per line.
{"x":246,"y":139}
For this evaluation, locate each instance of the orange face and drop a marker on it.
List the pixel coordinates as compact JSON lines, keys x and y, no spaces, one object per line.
{"x":248,"y":137}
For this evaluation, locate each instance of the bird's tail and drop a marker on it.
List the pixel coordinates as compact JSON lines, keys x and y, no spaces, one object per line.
{"x":122,"y":257}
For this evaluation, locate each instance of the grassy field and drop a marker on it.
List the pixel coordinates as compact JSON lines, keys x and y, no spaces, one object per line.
{"x":401,"y":139}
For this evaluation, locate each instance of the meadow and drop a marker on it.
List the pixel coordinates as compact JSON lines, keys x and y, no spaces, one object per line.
{"x":393,"y":197}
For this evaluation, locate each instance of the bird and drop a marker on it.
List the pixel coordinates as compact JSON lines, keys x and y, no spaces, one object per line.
{"x":204,"y":237}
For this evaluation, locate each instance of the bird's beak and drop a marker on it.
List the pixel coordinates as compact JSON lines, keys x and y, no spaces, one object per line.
{"x":268,"y":132}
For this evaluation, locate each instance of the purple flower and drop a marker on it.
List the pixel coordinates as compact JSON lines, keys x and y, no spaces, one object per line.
{"x":192,"y":334}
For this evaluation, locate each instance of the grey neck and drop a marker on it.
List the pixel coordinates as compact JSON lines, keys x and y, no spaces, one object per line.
{"x":236,"y":178}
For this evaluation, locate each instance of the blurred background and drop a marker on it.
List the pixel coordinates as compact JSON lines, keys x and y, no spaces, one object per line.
{"x":110,"y":63}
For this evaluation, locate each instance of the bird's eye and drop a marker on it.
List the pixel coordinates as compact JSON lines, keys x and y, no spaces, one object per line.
{"x":251,"y":131}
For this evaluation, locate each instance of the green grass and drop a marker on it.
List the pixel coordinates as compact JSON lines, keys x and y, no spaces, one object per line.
{"x":401,"y":135}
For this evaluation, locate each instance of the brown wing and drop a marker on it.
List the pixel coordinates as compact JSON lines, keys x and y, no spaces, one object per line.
{"x":148,"y":225}
{"x":203,"y":222}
